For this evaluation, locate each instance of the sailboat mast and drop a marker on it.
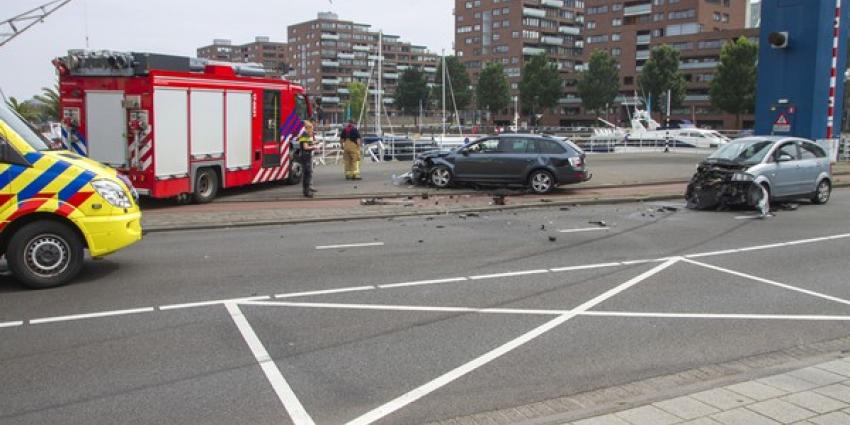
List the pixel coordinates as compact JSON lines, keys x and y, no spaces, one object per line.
{"x":379,"y":65}
{"x":443,"y":67}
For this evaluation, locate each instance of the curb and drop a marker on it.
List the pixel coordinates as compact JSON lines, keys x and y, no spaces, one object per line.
{"x":281,"y":222}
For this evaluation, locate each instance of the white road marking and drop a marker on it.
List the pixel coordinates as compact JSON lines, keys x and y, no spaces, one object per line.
{"x":803,"y":317}
{"x":653,"y":260}
{"x":90,"y":315}
{"x":213,"y":302}
{"x":284,"y":392}
{"x":587,"y":267}
{"x":11,"y":324}
{"x":351,"y":245}
{"x":771,"y":282}
{"x":390,"y":307}
{"x":429,"y":387}
{"x":713,"y":253}
{"x":585,"y":229}
{"x":422,"y":282}
{"x":326,"y":292}
{"x":508,"y":274}
{"x":748,"y":217}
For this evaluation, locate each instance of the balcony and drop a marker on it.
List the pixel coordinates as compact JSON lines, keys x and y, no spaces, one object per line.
{"x":569,"y":30}
{"x":361,"y":48}
{"x":554,"y":41}
{"x":375,"y":57}
{"x":328,"y":36}
{"x":403,"y":67}
{"x":391,"y":76}
{"x":330,"y":99}
{"x":642,"y":55}
{"x":569,"y":100}
{"x":552,"y":3}
{"x":343,"y":90}
{"x":429,"y":69}
{"x":331,"y":81}
{"x":640,"y":9}
{"x":644,"y":39}
{"x":389,"y":100}
{"x":533,"y":13}
{"x":532,"y":51}
{"x":345,"y":55}
{"x":698,"y":65}
{"x":330,"y":64}
{"x":579,"y":44}
{"x":373,"y":91}
{"x":697,"y":98}
{"x":361,"y":74}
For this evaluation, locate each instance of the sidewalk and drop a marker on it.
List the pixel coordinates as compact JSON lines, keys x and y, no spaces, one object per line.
{"x":818,"y":394}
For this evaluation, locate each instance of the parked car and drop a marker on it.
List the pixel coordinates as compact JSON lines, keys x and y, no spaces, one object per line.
{"x":740,"y":172}
{"x":539,"y":162}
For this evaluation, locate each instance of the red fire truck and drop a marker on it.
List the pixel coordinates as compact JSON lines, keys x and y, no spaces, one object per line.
{"x":179,"y":126}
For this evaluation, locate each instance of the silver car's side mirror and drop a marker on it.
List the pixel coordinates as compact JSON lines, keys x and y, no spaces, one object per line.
{"x":785,"y":158}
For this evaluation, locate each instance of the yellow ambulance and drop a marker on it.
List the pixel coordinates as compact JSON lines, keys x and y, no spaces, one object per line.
{"x":54,"y":204}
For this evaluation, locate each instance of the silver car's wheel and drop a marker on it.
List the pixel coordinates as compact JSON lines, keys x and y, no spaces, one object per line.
{"x":541,"y":181}
{"x":823,"y":192}
{"x":441,"y":177}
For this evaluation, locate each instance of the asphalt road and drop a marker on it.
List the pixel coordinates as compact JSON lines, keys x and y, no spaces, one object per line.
{"x":397,"y":334}
{"x":607,"y":169}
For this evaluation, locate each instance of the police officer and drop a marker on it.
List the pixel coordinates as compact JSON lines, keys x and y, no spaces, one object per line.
{"x":308,"y":145}
{"x":351,"y":143}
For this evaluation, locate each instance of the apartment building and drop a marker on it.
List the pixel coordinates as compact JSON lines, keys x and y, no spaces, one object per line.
{"x":511,"y":31}
{"x":327,"y":53}
{"x":270,"y":54}
{"x":628,"y":30}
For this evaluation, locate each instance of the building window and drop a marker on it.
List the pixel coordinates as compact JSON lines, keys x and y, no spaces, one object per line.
{"x":725,"y":18}
{"x":658,"y":17}
{"x":682,"y":14}
{"x":477,"y":3}
{"x":506,"y":23}
{"x":515,"y":34}
{"x":617,"y":6}
{"x":615,"y":52}
{"x":597,"y":10}
{"x":654,"y":2}
{"x":617,"y":22}
{"x":616,"y":36}
{"x":628,"y":80}
{"x":497,"y":12}
{"x":477,"y":15}
{"x":506,"y":11}
{"x":716,"y":16}
{"x":469,"y":5}
{"x":591,"y":25}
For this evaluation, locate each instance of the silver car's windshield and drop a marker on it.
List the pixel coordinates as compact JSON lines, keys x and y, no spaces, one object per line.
{"x":743,"y":152}
{"x":23,"y":128}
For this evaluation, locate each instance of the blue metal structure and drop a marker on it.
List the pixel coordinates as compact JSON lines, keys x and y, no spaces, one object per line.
{"x":801,"y":85}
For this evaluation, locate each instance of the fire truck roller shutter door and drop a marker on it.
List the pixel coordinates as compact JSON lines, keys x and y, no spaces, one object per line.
{"x":238,"y":130}
{"x":207,"y":122}
{"x":171,"y":130}
{"x":106,"y":126}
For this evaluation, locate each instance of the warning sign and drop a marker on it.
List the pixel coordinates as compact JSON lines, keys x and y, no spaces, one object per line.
{"x":782,"y":125}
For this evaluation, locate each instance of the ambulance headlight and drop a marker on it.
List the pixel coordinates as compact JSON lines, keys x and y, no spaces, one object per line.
{"x":742,"y":177}
{"x":112,"y":192}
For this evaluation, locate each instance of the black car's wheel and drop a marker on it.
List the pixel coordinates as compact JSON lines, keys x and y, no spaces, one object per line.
{"x":44,"y":254}
{"x":296,"y":173}
{"x":541,"y":181}
{"x":823,"y":192}
{"x":440,"y":176}
{"x":206,"y":186}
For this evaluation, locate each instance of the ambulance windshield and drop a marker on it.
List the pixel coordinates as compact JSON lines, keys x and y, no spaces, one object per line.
{"x":23,"y":128}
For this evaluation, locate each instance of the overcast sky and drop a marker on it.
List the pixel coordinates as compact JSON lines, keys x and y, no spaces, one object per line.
{"x":180,"y":26}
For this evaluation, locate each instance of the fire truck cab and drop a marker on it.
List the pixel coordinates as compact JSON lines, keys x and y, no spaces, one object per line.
{"x":178,"y":126}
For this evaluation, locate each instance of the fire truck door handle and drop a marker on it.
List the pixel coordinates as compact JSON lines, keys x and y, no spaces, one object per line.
{"x":257,"y":155}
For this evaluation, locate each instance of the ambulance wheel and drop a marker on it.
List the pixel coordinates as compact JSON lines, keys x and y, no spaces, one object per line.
{"x":206,"y":186}
{"x":296,"y":173}
{"x":44,"y":254}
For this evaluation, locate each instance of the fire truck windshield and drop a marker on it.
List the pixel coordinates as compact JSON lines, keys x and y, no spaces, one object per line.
{"x":23,"y":128}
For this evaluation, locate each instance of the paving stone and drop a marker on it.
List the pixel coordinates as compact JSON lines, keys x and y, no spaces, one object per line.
{"x":756,"y":390}
{"x":742,"y":416}
{"x":722,"y":398}
{"x":781,"y":411}
{"x":815,"y":402}
{"x":817,"y":376}
{"x":602,"y":420}
{"x":686,"y":407}
{"x":648,"y":415}
{"x":701,"y":421}
{"x":839,"y":392}
{"x":837,"y":366}
{"x":787,"y":383}
{"x":834,"y":418}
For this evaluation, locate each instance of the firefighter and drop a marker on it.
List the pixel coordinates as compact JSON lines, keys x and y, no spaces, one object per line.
{"x":307,"y":144}
{"x":351,"y":144}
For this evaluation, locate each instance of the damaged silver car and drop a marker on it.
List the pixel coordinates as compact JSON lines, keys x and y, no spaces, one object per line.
{"x":742,"y":172}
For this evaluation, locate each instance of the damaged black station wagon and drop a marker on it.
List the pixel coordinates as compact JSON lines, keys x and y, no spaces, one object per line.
{"x":741,"y":172}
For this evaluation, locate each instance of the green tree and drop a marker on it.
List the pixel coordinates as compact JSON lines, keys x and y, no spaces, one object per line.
{"x":540,"y":87}
{"x":661,"y":73}
{"x":356,"y":96}
{"x":457,"y":82}
{"x":24,"y":109}
{"x":49,"y":99}
{"x":599,"y":85}
{"x":493,"y":91}
{"x":412,"y":91}
{"x":733,"y":89}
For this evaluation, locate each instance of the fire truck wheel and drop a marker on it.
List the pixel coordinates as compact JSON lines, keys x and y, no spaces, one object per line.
{"x":296,"y":173}
{"x":206,"y":186}
{"x":44,"y":254}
